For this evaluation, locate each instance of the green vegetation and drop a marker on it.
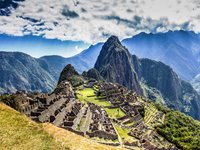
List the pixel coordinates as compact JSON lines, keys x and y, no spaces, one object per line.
{"x":88,"y":95}
{"x":76,"y":80}
{"x":162,"y":108}
{"x":19,"y":132}
{"x":181,"y":130}
{"x":123,"y":133}
{"x":115,"y":112}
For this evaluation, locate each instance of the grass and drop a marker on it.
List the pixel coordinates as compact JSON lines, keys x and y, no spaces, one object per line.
{"x":88,"y":95}
{"x":123,"y":133}
{"x":115,"y":112}
{"x":19,"y":132}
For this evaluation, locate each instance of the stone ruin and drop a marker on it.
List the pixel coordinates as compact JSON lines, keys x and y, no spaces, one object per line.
{"x":62,"y":109}
{"x":101,"y":125}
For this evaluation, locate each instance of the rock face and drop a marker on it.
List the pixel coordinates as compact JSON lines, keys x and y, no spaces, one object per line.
{"x":177,"y":93}
{"x":93,"y":73}
{"x":19,"y":71}
{"x":115,"y":65}
{"x":178,"y":49}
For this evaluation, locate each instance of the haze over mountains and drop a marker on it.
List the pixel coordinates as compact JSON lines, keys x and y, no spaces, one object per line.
{"x":179,"y":49}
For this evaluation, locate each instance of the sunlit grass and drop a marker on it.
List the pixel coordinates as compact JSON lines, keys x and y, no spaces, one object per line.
{"x":88,"y":95}
{"x":115,"y":112}
{"x":19,"y":132}
{"x":123,"y":133}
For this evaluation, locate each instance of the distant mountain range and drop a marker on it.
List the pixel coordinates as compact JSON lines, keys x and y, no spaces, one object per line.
{"x":179,"y":49}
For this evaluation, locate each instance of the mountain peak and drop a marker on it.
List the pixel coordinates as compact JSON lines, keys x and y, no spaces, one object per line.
{"x":113,"y":41}
{"x":111,"y":61}
{"x":67,"y":73}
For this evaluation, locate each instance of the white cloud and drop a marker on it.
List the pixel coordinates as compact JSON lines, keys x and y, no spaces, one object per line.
{"x":93,"y":21}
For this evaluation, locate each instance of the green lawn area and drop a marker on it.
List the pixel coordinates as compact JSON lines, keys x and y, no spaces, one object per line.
{"x":115,"y":113}
{"x":87,"y":95}
{"x":123,"y":133}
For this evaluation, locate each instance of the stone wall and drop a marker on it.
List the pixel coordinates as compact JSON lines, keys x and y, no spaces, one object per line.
{"x":102,"y":134}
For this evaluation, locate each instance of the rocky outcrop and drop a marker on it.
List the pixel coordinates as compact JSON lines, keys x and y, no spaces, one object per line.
{"x":67,"y":73}
{"x":71,"y":75}
{"x":115,"y":65}
{"x":93,"y":74}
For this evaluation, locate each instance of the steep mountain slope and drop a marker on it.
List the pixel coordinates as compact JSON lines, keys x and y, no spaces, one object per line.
{"x":177,"y":93}
{"x":23,"y":72}
{"x":115,"y":65}
{"x":180,"y":50}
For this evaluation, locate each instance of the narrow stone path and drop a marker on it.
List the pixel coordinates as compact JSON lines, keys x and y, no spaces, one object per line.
{"x":86,"y":124}
{"x":78,"y":118}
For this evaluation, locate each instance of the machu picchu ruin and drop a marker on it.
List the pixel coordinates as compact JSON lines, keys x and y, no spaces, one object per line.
{"x":105,"y":112}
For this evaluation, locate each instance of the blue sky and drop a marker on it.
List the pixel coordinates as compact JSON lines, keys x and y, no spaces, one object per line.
{"x":38,"y":46}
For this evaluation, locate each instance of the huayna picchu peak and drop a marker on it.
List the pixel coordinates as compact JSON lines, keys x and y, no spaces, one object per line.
{"x":115,"y":65}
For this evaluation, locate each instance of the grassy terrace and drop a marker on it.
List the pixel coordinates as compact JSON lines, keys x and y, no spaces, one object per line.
{"x":123,"y":133}
{"x":87,"y":95}
{"x":115,"y":113}
{"x":150,"y":112}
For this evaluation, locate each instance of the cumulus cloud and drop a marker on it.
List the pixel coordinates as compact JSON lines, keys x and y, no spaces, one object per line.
{"x":94,"y":21}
